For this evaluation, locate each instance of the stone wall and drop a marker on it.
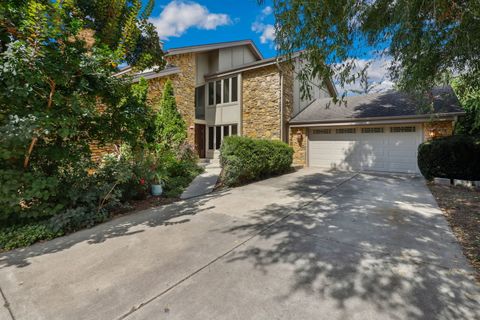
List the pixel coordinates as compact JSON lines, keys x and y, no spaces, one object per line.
{"x":261,"y":103}
{"x":436,"y":129}
{"x":299,"y":146}
{"x":184,"y":89}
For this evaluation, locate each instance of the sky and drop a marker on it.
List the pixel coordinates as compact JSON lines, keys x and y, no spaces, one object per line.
{"x":193,"y":22}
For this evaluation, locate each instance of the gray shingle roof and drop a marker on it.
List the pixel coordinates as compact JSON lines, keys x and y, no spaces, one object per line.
{"x":380,"y":105}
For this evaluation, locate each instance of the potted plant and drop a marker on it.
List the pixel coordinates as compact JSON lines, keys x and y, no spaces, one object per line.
{"x":158,"y":182}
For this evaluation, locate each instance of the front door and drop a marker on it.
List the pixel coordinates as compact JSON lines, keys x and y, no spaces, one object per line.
{"x":200,"y":139}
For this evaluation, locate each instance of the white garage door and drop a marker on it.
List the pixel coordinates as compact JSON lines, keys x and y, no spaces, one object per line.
{"x":390,"y":148}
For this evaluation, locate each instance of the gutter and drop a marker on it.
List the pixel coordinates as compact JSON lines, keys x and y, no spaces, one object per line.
{"x":239,"y":69}
{"x":373,"y":121}
{"x":281,"y":98}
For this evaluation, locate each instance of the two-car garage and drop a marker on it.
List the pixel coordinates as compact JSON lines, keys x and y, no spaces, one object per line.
{"x":375,"y":132}
{"x":390,"y":148}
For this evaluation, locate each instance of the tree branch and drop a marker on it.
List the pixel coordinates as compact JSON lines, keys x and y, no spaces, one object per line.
{"x":35,"y":139}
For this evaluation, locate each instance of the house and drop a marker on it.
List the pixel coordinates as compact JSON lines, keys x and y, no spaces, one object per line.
{"x":228,"y":88}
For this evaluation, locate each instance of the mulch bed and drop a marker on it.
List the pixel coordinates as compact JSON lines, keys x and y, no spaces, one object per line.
{"x":139,"y":205}
{"x":461,"y":207}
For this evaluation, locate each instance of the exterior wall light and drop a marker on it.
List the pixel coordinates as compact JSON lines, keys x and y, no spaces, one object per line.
{"x":299,"y":137}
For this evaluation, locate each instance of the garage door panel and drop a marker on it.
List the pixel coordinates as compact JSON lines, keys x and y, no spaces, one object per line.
{"x":382,"y":151}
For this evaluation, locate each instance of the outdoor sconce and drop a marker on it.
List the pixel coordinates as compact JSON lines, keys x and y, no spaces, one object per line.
{"x":299,"y":137}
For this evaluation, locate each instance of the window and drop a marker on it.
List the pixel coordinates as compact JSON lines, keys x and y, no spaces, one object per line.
{"x":345,"y":130}
{"x":372,"y":130}
{"x":234,"y":89}
{"x":226,"y":131}
{"x":322,"y":131}
{"x":200,"y":103}
{"x":223,"y":91}
{"x":402,"y":129}
{"x":217,"y":133}
{"x":218,"y":92}
{"x":226,"y":90}
{"x":211,"y":94}
{"x":218,"y":137}
{"x":210,"y":137}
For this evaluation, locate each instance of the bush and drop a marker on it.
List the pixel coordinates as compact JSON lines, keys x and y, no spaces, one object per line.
{"x":245,"y":159}
{"x":455,"y":157}
{"x":21,"y":236}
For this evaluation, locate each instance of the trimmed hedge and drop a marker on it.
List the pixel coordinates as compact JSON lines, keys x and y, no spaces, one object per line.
{"x":455,"y":157}
{"x":245,"y":159}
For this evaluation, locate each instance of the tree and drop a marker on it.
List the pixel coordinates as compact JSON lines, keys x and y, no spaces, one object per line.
{"x":425,"y":39}
{"x":58,"y":96}
{"x":170,"y":126}
{"x":469,"y":96}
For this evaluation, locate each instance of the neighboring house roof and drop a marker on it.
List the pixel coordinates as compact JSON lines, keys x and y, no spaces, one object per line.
{"x":151,"y":73}
{"x":388,"y":105}
{"x":214,"y":46}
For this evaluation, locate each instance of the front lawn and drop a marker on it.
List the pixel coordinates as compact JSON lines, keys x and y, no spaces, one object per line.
{"x":461,"y":207}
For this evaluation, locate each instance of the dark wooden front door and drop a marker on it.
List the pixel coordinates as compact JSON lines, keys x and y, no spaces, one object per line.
{"x":200,"y":139}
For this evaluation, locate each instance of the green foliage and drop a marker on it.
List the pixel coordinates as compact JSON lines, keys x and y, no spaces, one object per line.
{"x":245,"y":159}
{"x":469,"y":96}
{"x":455,"y":157}
{"x":21,"y":236}
{"x":425,"y":39}
{"x":171,"y":129}
{"x":180,"y":169}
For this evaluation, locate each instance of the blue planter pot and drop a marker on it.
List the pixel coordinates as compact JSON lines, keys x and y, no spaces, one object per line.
{"x":157,"y":189}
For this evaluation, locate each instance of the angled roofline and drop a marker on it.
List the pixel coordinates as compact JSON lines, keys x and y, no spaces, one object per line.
{"x":214,"y":46}
{"x":153,"y":74}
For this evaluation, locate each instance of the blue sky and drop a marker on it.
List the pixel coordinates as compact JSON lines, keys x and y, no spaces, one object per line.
{"x":183,"y":23}
{"x":192,"y":22}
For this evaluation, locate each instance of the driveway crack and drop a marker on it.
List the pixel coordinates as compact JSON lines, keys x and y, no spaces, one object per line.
{"x":6,"y":304}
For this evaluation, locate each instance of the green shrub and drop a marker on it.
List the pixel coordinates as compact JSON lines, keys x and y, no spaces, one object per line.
{"x":245,"y":159}
{"x":21,"y":236}
{"x":455,"y":157}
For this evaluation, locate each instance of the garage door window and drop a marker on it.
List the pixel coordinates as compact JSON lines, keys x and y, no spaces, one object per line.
{"x":345,"y":130}
{"x":322,"y":131}
{"x":402,"y":129}
{"x":372,"y":130}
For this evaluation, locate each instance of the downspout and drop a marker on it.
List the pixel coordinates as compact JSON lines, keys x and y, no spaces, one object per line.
{"x":281,"y":99}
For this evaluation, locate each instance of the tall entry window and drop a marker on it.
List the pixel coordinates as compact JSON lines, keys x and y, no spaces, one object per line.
{"x":217,"y":133}
{"x":223,"y":91}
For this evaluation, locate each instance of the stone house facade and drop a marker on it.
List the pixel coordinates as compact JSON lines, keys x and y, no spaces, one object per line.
{"x":228,"y":89}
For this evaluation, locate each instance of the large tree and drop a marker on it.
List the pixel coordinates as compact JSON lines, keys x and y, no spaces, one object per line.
{"x":425,"y":39}
{"x":58,"y":95}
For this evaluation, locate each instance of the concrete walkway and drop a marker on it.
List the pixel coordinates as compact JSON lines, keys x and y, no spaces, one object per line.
{"x":307,"y":245}
{"x":205,"y":182}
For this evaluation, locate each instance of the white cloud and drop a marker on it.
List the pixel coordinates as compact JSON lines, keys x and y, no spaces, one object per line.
{"x":180,"y":15}
{"x":378,"y":76}
{"x":267,"y":11}
{"x":266,"y":31}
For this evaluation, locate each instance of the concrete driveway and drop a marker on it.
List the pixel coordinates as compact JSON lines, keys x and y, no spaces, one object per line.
{"x":307,"y":245}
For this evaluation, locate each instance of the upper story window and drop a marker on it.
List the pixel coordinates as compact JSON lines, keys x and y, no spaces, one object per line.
{"x":223,"y":91}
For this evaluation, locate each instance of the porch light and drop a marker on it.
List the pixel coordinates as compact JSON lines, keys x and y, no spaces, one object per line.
{"x":299,"y":137}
